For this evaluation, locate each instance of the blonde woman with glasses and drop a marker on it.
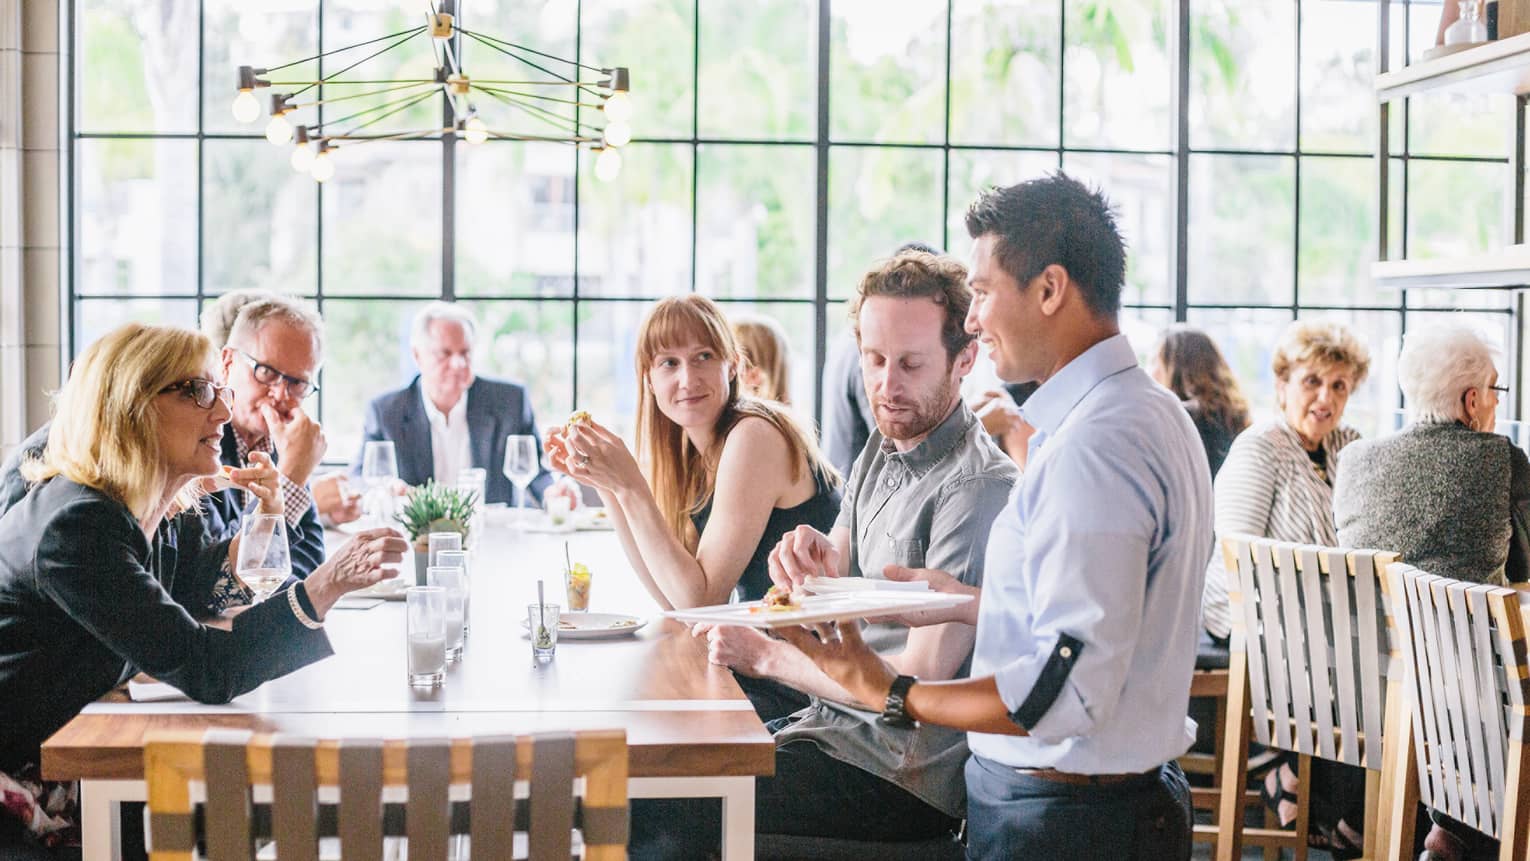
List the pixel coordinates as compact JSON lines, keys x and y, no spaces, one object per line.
{"x":97,"y":581}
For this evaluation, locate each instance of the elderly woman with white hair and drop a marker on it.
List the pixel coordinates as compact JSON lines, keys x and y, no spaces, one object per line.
{"x":1446,"y":492}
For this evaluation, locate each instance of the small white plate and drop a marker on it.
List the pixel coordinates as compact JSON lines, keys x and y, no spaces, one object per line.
{"x":388,"y":590}
{"x":593,"y":519}
{"x":596,"y":626}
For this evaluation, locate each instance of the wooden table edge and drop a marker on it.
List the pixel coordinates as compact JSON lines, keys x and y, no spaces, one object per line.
{"x":103,"y":747}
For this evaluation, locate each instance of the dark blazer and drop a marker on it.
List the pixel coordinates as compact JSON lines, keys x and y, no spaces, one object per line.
{"x":223,"y":511}
{"x":495,"y":409}
{"x":86,"y":601}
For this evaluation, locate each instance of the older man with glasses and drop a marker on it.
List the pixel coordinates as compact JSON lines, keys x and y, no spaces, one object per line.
{"x":271,"y":361}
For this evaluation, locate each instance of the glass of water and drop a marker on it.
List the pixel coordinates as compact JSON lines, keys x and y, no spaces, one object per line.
{"x":459,"y":559}
{"x":379,"y":470}
{"x":426,"y":635}
{"x":522,"y":463}
{"x":263,"y":563}
{"x":453,"y":584}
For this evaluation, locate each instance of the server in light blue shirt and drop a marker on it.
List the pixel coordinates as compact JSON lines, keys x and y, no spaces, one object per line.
{"x":1087,"y":624}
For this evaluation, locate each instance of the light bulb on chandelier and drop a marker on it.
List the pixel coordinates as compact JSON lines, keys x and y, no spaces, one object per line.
{"x":279,"y":130}
{"x":476,"y":132}
{"x":618,"y":107}
{"x":618,"y":134}
{"x":323,"y":167}
{"x":301,"y":159}
{"x":246,"y":107}
{"x":608,"y":164}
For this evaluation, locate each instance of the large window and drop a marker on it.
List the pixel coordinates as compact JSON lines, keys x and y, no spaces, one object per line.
{"x":927,"y":102}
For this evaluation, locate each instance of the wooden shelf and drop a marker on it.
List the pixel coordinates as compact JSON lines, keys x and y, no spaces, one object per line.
{"x":1497,"y":67}
{"x":1509,"y":267}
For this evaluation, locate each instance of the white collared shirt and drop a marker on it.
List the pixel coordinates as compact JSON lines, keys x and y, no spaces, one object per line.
{"x":450,"y":446}
{"x":1104,"y":539}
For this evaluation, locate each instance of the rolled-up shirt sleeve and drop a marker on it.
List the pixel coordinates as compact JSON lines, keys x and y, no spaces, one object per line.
{"x":1089,"y":550}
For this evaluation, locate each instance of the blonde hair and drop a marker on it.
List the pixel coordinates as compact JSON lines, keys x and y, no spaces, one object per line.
{"x":105,"y":431}
{"x":681,"y":477}
{"x":762,"y":344}
{"x":1324,"y":345}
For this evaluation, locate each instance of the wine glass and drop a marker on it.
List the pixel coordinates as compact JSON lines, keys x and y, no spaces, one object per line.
{"x":264,"y":563}
{"x":522,"y":463}
{"x":379,"y":470}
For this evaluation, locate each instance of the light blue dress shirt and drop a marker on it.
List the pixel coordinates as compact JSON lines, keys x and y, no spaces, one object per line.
{"x":1106,"y":539}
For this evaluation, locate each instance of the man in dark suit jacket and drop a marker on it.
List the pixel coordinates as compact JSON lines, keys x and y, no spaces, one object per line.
{"x":447,"y":419}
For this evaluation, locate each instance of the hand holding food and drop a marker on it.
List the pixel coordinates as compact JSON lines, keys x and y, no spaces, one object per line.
{"x":802,"y":553}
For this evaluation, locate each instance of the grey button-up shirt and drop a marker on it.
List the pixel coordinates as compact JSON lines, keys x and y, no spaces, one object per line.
{"x":925,"y":508}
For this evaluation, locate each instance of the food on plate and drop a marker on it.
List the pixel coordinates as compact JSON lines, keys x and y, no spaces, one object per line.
{"x":777,"y":600}
{"x":577,"y":581}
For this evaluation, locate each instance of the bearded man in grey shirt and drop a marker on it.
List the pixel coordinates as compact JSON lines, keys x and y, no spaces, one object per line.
{"x":921,"y":495}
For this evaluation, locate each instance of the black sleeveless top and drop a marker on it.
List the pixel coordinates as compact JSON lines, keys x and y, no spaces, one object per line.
{"x":819,"y":511}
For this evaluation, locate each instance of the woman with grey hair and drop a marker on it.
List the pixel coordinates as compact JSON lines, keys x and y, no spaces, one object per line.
{"x":1446,"y":492}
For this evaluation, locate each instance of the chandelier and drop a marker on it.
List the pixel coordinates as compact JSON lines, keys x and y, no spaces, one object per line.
{"x":600,"y":119}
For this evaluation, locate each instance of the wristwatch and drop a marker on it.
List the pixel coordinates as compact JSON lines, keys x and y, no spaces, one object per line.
{"x":895,"y":712}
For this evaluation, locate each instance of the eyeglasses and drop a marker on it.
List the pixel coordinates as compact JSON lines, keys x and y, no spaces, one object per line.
{"x":1502,"y":390}
{"x":202,"y":392}
{"x":268,"y":376}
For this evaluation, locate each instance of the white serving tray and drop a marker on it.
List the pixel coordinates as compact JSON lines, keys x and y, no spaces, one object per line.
{"x":841,"y":606}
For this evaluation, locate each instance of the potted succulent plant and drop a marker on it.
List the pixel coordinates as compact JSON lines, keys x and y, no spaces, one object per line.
{"x":434,"y":507}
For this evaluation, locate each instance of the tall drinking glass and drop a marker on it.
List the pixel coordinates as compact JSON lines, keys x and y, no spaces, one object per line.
{"x":379,"y":470}
{"x":459,"y":559}
{"x":522,"y":463}
{"x":425,"y":635}
{"x":441,"y":542}
{"x":474,"y":480}
{"x":453,"y":582}
{"x":263,"y":563}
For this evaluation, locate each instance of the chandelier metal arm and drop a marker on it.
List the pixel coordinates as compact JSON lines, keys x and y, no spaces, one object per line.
{"x":479,"y":86}
{"x":510,"y":44}
{"x":533,"y":65}
{"x":535,"y":112}
{"x":330,"y":101}
{"x":411,"y":32}
{"x":404,"y":107}
{"x":362,"y":60}
{"x":508,"y":136}
{"x":383,"y":106}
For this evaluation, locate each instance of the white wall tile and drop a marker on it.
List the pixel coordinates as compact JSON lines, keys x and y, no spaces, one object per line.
{"x":39,"y":101}
{"x":39,"y":26}
{"x":40,"y":301}
{"x":40,"y":209}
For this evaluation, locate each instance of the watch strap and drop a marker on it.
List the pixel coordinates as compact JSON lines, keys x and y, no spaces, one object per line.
{"x":895,"y":711}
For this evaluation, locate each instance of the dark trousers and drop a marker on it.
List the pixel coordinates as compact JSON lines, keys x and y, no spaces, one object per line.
{"x":812,"y":794}
{"x":1013,"y":815}
{"x":771,"y":699}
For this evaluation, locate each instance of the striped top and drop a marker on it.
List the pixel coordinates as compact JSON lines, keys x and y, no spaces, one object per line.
{"x":1270,"y":488}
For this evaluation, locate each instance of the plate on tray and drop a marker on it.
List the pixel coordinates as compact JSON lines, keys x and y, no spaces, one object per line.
{"x":840,"y":606}
{"x":596,"y":626}
{"x":838,"y":585}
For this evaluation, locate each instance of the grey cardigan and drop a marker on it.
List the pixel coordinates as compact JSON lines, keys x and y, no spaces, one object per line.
{"x":1442,"y":495}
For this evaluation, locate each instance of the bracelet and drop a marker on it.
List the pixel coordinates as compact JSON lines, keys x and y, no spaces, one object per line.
{"x":895,"y":711}
{"x":296,"y":603}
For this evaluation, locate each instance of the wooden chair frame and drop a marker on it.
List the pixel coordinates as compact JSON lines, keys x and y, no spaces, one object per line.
{"x":1468,"y":684}
{"x":552,"y":761}
{"x":1277,"y":642}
